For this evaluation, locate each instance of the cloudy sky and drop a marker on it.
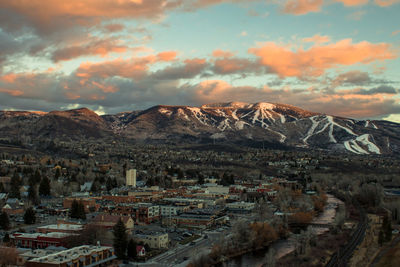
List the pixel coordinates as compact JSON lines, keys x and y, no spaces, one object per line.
{"x":338,"y":57}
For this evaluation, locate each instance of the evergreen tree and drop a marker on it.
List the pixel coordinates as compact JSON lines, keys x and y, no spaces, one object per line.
{"x":109,"y":184}
{"x":77,"y":210}
{"x":95,"y":187}
{"x":81,"y":211}
{"x":15,"y":185}
{"x":44,"y":187}
{"x":30,"y":216}
{"x":380,"y":238}
{"x":388,"y":231}
{"x":120,"y":239}
{"x":6,"y":238}
{"x":37,"y":177}
{"x":32,"y":194}
{"x":58,"y":173}
{"x":132,"y":249}
{"x":73,"y":211}
{"x":201,"y":179}
{"x":4,"y":221}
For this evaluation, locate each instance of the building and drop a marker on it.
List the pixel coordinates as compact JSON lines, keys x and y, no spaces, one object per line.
{"x":39,"y":240}
{"x":200,"y":219}
{"x":13,"y":207}
{"x":108,"y":221}
{"x":140,"y":251}
{"x":89,"y":203}
{"x":240,"y":207}
{"x":153,"y":239}
{"x":78,"y":256}
{"x":60,"y":228}
{"x":131,"y":177}
{"x":146,"y":212}
{"x":36,"y":253}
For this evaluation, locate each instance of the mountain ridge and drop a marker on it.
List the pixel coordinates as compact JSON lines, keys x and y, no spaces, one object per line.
{"x":273,"y":123}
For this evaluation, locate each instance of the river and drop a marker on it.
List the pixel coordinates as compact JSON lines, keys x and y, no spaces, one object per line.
{"x":284,"y":247}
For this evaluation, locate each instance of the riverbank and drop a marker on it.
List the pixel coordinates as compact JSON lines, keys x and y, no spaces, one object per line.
{"x":287,"y":246}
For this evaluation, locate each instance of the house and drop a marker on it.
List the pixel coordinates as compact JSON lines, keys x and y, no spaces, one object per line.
{"x":13,"y":207}
{"x":86,"y":187}
{"x":140,"y":251}
{"x":78,"y":256}
{"x":108,"y":221}
{"x":3,"y":198}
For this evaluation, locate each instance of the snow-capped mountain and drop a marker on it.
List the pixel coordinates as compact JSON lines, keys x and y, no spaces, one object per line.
{"x":277,"y":125}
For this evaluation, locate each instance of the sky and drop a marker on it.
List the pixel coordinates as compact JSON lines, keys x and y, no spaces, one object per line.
{"x":338,"y":57}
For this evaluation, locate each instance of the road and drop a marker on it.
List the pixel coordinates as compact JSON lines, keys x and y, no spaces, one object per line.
{"x":183,"y":253}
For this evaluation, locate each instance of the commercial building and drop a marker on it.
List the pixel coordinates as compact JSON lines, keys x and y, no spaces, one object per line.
{"x":240,"y":207}
{"x":131,"y":177}
{"x":146,"y":212}
{"x":153,"y":239}
{"x":39,"y":240}
{"x":60,"y":228}
{"x":108,"y":221}
{"x":78,"y":256}
{"x":89,"y":203}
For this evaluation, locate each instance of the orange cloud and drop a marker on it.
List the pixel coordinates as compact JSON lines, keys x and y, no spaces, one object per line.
{"x":317,"y":39}
{"x":134,"y":68}
{"x":353,"y":2}
{"x":114,"y":27}
{"x":316,"y":60}
{"x":167,"y":56}
{"x":84,"y":11}
{"x":72,"y":96}
{"x":234,"y":65}
{"x":105,"y":89}
{"x":11,"y":92}
{"x":385,"y":3}
{"x":9,"y":78}
{"x":301,"y":7}
{"x":222,"y":53}
{"x":99,"y":47}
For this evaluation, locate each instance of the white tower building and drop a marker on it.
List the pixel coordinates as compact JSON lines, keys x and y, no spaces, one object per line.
{"x":131,"y":177}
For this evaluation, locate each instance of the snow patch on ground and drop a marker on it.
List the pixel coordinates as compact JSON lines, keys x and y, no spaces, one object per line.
{"x":240,"y":125}
{"x":224,"y":125}
{"x":199,"y":115}
{"x":283,"y":137}
{"x":218,"y":136}
{"x":165,"y":111}
{"x":234,"y":116}
{"x":182,"y":114}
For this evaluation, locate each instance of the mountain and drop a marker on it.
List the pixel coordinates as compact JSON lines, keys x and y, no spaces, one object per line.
{"x":271,"y":125}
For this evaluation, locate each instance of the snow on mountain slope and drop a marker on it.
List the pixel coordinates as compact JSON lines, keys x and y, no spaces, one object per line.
{"x":234,"y":121}
{"x":263,"y":121}
{"x":362,"y":145}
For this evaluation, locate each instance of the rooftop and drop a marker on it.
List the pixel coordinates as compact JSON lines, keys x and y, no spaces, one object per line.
{"x":70,"y":254}
{"x":71,"y":227}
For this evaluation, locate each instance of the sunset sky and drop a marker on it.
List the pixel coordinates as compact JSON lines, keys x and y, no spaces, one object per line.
{"x":339,"y":57}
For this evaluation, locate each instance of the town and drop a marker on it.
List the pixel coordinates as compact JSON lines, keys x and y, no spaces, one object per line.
{"x":190,"y":206}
